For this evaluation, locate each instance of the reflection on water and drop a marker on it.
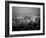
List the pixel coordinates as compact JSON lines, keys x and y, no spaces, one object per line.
{"x":20,"y":23}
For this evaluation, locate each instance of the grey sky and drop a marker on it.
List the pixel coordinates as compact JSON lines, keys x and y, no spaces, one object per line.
{"x":25,"y":11}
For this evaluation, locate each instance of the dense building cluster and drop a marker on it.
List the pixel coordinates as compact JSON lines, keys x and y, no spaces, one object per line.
{"x":25,"y":23}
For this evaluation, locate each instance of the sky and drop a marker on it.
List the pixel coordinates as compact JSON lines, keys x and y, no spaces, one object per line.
{"x":25,"y":11}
